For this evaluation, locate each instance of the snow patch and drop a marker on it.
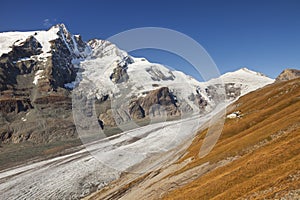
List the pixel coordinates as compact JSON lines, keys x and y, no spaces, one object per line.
{"x":38,"y":75}
{"x":76,"y":51}
{"x":24,"y":59}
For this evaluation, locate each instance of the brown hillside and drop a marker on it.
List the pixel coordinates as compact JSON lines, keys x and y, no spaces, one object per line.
{"x":266,"y":141}
{"x":256,"y":157}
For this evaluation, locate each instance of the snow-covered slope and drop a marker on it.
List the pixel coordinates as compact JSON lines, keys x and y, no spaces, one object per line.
{"x":144,"y":76}
{"x":107,"y":62}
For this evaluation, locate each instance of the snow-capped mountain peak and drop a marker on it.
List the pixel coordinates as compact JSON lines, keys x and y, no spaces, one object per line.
{"x":112,"y":73}
{"x":244,"y":78}
{"x":45,"y":38}
{"x":244,"y":69}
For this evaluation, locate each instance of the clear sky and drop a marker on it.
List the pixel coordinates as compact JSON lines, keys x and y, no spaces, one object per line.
{"x":262,"y":35}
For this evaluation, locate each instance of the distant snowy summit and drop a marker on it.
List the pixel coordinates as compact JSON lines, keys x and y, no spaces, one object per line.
{"x":40,"y":72}
{"x":245,"y":79}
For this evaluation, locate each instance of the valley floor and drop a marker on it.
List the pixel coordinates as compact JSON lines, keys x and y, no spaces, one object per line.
{"x":77,"y":174}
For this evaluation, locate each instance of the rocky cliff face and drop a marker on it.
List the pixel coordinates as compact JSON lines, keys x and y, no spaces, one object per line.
{"x":35,"y":103}
{"x":156,"y":103}
{"x":288,"y":74}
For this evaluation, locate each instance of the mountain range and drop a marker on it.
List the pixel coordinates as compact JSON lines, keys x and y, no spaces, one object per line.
{"x":41,"y":70}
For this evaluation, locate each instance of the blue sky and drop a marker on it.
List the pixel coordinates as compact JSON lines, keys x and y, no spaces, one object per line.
{"x":261,"y":35}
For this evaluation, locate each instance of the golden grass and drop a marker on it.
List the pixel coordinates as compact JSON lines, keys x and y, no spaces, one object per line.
{"x":265,"y":168}
{"x":262,"y":170}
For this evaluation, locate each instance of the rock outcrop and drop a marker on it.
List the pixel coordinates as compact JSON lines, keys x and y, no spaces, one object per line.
{"x":288,"y":74}
{"x":157,"y":103}
{"x":119,"y":74}
{"x":159,"y":100}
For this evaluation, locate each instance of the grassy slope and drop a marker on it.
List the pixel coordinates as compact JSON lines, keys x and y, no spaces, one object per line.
{"x":267,"y":141}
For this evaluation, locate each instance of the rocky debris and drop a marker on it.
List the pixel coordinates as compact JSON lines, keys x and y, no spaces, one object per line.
{"x":288,"y":74}
{"x":107,"y":118}
{"x":232,"y":91}
{"x":292,"y":194}
{"x":213,"y":92}
{"x":43,"y":119}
